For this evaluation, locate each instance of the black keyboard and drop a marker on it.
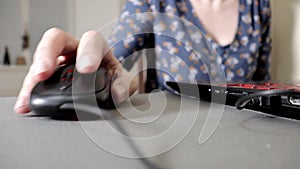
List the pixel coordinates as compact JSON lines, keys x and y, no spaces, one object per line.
{"x":278,"y":99}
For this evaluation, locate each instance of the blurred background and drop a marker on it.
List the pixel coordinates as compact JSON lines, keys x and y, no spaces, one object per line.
{"x":28,"y":19}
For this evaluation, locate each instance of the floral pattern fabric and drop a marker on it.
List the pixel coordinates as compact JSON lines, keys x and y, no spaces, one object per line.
{"x":184,"y":51}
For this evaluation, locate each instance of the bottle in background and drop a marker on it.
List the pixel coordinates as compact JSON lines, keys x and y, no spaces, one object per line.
{"x":25,"y":57}
{"x":6,"y":59}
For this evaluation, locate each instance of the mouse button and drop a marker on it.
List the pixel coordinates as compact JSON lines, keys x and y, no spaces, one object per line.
{"x":67,"y":73}
{"x":83,"y":83}
{"x":64,"y":86}
{"x":66,"y":79}
{"x":47,"y":89}
{"x":90,"y":83}
{"x":55,"y":78}
{"x":68,"y":91}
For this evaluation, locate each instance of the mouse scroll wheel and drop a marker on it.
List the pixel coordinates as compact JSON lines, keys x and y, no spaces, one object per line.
{"x":68,"y":76}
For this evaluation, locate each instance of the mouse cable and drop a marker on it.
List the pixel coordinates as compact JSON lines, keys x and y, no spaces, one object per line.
{"x":107,"y":115}
{"x":243,"y":101}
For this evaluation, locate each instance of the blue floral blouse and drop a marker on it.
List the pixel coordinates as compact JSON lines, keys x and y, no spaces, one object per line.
{"x":184,"y":51}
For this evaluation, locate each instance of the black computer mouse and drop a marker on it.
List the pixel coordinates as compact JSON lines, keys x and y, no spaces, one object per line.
{"x":67,"y":86}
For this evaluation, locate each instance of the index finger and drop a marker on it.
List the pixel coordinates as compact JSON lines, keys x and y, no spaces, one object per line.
{"x":54,"y":42}
{"x":91,"y":51}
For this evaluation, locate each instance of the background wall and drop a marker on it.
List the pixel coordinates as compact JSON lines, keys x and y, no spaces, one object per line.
{"x":42,"y":15}
{"x":10,"y":29}
{"x":286,"y":39}
{"x":45,"y":14}
{"x":95,"y":15}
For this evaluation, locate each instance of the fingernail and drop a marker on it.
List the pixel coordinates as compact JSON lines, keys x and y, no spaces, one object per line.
{"x":19,"y":106}
{"x":18,"y":103}
{"x":85,"y":64}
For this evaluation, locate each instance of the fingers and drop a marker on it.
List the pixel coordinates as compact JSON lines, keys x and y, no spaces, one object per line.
{"x":124,"y":85}
{"x":91,"y":51}
{"x":94,"y":51}
{"x":54,"y":43}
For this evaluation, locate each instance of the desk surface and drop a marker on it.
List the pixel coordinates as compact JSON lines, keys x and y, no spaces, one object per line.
{"x":243,"y":139}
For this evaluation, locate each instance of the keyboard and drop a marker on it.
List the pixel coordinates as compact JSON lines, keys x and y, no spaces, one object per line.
{"x":280,"y":99}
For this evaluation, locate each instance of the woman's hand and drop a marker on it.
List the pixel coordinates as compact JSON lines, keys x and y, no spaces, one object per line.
{"x":58,"y":47}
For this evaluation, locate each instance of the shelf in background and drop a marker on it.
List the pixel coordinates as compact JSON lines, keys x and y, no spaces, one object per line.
{"x":11,"y":78}
{"x":13,"y":67}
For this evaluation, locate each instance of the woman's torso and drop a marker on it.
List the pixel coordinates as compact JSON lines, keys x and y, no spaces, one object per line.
{"x":184,"y":49}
